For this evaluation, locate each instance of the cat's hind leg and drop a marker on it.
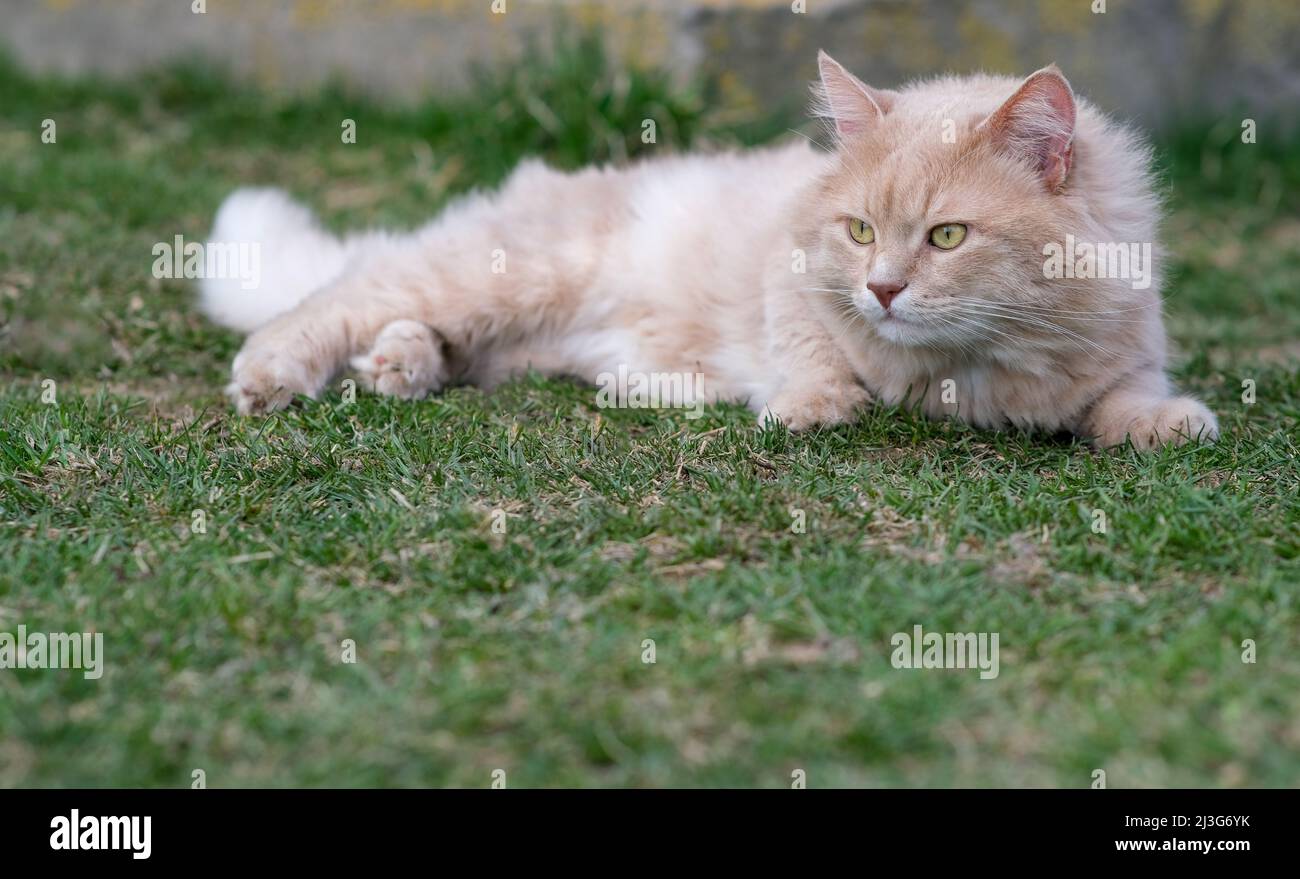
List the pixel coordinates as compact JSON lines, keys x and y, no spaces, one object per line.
{"x":491,"y":272}
{"x":407,"y":361}
{"x":400,"y":323}
{"x":301,"y":350}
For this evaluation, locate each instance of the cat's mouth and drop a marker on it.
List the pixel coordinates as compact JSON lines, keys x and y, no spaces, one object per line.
{"x":896,"y":327}
{"x":898,"y":324}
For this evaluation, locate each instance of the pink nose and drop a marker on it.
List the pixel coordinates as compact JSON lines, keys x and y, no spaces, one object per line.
{"x":886,"y":291}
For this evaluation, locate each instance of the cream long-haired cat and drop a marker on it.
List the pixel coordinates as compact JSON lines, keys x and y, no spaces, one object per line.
{"x":907,"y":264}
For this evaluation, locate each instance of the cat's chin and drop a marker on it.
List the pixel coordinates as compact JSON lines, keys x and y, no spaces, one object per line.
{"x":899,"y":331}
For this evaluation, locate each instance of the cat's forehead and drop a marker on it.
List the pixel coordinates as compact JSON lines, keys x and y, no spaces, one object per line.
{"x":920,"y":164}
{"x":953,"y":98}
{"x":906,"y":179}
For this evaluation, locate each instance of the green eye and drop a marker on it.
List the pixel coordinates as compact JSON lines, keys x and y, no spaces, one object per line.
{"x":947,"y":236}
{"x":860,"y":232}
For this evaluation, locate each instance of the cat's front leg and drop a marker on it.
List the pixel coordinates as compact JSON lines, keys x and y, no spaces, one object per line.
{"x":820,"y":387}
{"x":823,"y":399}
{"x":1142,"y":411}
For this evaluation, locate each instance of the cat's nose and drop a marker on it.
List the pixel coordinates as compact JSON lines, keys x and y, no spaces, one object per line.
{"x":886,"y":291}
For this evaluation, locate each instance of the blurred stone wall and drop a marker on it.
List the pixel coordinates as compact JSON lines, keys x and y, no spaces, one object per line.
{"x":1147,"y":59}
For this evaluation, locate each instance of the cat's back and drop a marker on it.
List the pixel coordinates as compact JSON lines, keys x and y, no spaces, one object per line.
{"x":702,"y":221}
{"x":728,"y":185}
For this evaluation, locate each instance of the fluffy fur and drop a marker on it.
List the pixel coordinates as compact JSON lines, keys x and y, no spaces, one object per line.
{"x":740,"y":267}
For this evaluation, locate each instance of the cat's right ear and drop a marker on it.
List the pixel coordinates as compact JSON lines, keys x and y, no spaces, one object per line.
{"x":849,"y":101}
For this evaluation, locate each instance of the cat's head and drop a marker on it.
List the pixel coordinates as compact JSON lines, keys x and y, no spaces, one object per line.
{"x":930,"y":227}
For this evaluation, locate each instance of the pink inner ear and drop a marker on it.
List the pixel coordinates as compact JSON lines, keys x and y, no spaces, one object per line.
{"x":1058,"y":150}
{"x":847,"y":125}
{"x":852,"y":106}
{"x":1038,"y":123}
{"x":848,"y":100}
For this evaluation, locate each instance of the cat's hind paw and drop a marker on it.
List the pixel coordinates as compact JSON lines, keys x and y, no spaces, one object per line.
{"x":406,"y":361}
{"x":264,"y":381}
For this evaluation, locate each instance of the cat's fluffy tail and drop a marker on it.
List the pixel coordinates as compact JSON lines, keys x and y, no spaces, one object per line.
{"x":291,"y":256}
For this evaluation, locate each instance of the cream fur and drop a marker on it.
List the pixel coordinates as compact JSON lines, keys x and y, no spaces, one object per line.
{"x":690,"y":264}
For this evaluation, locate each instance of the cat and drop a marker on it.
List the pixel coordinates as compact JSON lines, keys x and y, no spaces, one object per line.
{"x":904,"y":264}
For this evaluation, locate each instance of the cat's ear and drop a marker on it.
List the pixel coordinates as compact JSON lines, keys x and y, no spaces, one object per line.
{"x":852,"y":103}
{"x":1037,"y":124}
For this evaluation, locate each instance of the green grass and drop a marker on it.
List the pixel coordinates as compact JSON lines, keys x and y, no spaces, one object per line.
{"x":522,"y":651}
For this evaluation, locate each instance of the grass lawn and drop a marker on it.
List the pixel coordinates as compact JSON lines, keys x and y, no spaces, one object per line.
{"x":522,"y":651}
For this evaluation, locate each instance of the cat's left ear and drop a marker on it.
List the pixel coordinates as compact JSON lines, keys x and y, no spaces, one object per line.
{"x":853,"y":104}
{"x":1037,"y":124}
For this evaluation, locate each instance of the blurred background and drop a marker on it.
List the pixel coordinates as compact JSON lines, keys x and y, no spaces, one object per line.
{"x":1153,"y":59}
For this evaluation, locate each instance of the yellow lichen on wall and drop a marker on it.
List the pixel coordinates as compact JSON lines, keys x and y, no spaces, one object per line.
{"x":986,"y":47}
{"x":894,"y":26}
{"x":754,"y":49}
{"x":1070,"y":18}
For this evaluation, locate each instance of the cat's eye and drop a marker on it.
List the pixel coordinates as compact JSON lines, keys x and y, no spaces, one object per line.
{"x":947,"y":236}
{"x":860,"y":232}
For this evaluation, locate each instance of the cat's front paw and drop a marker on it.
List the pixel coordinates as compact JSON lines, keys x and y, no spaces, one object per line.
{"x":263,"y":381}
{"x":1175,"y":421}
{"x":816,"y":405}
{"x":406,"y":361}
